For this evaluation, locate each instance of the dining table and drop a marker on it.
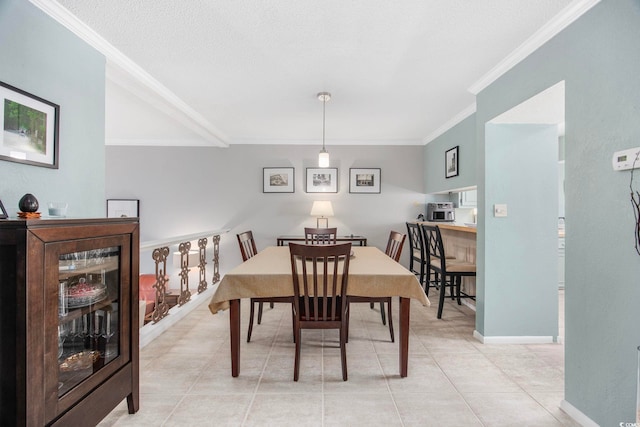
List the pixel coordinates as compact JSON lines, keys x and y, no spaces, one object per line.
{"x":268,"y":274}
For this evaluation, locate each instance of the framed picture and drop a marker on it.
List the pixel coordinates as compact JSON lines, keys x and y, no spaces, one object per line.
{"x":364,"y":180}
{"x":451,"y":162}
{"x":278,"y":180}
{"x":3,"y":212}
{"x":29,"y":128}
{"x":322,"y":180}
{"x":121,"y":208}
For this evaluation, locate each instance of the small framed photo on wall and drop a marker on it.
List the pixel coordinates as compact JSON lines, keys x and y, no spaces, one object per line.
{"x":3,"y":212}
{"x":278,"y":180}
{"x":364,"y":180}
{"x":123,"y":208}
{"x":322,"y":180}
{"x":451,"y":162}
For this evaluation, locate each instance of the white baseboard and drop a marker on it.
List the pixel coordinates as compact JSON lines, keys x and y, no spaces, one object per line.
{"x":468,"y":304}
{"x":576,"y":415}
{"x":151,"y":331}
{"x":515,"y":339}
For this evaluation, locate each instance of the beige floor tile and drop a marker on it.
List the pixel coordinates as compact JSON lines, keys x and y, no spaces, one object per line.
{"x":155,"y":409}
{"x":210,"y":411}
{"x":551,"y":402}
{"x":295,"y":409}
{"x":509,"y":409}
{"x":360,"y":410}
{"x":437,"y":409}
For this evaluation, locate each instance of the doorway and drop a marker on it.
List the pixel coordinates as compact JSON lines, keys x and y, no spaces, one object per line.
{"x":524,"y":263}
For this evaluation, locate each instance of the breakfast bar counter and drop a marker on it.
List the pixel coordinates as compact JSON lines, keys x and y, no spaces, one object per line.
{"x":460,"y":241}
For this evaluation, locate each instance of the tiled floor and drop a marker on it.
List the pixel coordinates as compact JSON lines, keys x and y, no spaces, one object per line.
{"x":453,"y":379}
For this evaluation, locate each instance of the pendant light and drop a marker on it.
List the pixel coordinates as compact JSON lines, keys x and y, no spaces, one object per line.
{"x":323,"y":157}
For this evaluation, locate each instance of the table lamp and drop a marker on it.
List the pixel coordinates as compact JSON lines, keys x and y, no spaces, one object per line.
{"x":322,"y":210}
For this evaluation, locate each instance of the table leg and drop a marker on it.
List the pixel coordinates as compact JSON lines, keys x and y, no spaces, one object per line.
{"x":405,"y":310}
{"x":234,"y":322}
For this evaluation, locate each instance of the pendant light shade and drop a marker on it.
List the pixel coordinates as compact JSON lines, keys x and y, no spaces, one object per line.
{"x":323,"y":157}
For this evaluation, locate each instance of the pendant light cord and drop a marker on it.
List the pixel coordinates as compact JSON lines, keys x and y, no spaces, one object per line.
{"x":324,"y":104}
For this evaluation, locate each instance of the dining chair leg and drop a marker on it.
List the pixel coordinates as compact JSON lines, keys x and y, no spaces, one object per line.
{"x":251,"y":311}
{"x":259,"y":313}
{"x":348,"y":314}
{"x":441,"y":299}
{"x":343,"y":351}
{"x":393,"y":339}
{"x":296,"y":363}
{"x":384,"y":321}
{"x":458,"y":285}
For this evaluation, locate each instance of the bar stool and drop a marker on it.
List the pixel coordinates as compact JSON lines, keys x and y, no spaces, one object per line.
{"x":450,"y":270}
{"x":418,"y":254}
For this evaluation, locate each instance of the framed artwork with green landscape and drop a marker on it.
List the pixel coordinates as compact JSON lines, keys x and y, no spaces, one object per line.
{"x":29,"y":128}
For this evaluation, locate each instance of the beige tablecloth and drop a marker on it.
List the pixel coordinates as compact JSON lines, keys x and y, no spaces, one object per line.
{"x":268,"y":274}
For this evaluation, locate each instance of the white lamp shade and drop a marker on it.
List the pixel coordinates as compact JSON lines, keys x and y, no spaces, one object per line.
{"x":323,"y":159}
{"x":193,"y":259}
{"x":322,"y":208}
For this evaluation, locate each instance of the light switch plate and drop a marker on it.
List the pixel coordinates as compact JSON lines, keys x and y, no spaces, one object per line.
{"x":500,"y":211}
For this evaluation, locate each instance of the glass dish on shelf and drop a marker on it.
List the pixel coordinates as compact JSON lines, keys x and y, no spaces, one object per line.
{"x":82,"y":294}
{"x":79,"y":361}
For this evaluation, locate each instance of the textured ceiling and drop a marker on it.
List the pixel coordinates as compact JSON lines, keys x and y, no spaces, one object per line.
{"x":397,"y":70}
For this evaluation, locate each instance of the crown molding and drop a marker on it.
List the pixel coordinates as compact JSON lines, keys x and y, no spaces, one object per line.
{"x":118,"y":60}
{"x":559,"y":22}
{"x":328,"y":143}
{"x":450,"y":123}
{"x":156,"y":142}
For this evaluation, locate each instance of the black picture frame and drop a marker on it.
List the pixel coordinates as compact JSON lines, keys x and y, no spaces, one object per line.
{"x":451,"y":160}
{"x":30,"y":128}
{"x":322,"y":180}
{"x":278,"y":180}
{"x":365,"y":180}
{"x":123,"y":208}
{"x":3,"y":212}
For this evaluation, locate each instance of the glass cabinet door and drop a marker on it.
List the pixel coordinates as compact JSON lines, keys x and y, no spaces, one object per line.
{"x":88,"y":313}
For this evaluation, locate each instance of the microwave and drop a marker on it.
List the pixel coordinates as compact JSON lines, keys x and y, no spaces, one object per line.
{"x":441,"y":211}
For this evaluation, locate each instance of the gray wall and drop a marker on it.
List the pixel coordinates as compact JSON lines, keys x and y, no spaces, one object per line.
{"x":599,"y":59}
{"x":41,"y":57}
{"x":462,"y":135}
{"x":187,"y":190}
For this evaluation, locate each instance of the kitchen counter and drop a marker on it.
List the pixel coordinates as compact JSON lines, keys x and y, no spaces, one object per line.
{"x":452,"y":226}
{"x":460,"y":241}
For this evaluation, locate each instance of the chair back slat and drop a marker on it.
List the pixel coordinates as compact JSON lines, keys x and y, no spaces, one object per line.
{"x":320,"y":236}
{"x":247,"y":245}
{"x":394,"y":245}
{"x":320,"y":278}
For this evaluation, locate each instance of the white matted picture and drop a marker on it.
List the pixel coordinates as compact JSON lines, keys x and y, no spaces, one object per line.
{"x":364,"y":180}
{"x":451,"y":162}
{"x":278,"y":180}
{"x":322,"y":180}
{"x":29,"y":131}
{"x":123,"y":208}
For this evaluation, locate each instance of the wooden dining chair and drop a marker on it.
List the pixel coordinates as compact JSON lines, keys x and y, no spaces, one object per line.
{"x":393,"y":250}
{"x":248,"y":250}
{"x":320,"y":236}
{"x":450,"y":269}
{"x":320,"y":276}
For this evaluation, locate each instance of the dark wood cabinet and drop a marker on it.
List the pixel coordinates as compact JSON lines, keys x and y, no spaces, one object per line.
{"x":68,"y":320}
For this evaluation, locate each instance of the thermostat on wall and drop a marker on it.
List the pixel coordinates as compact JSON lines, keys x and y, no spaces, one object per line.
{"x":626,"y":159}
